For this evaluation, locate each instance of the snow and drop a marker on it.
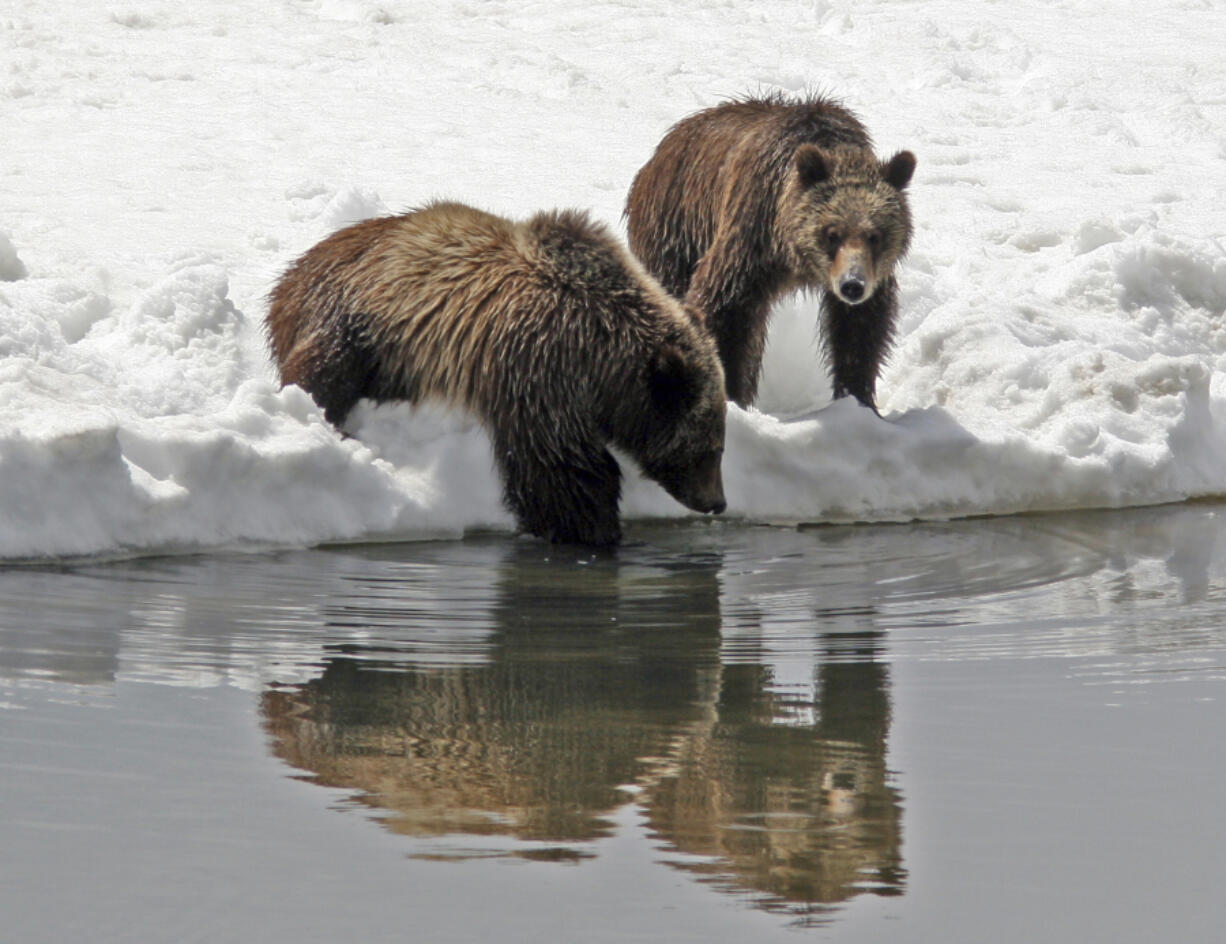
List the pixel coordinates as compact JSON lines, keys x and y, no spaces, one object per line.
{"x":1062,"y":337}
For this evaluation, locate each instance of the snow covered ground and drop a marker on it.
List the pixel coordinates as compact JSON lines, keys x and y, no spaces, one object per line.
{"x":1062,"y":340}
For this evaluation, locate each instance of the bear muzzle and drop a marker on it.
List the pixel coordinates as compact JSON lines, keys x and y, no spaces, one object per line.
{"x":706,"y":504}
{"x":849,"y":275}
{"x":704,"y":492}
{"x":697,"y":483}
{"x":853,"y":288}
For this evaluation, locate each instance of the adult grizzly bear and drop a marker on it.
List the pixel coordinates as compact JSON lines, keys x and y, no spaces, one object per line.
{"x":547,"y":330}
{"x":750,"y":199}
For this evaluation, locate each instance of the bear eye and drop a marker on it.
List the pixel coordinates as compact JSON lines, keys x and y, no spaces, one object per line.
{"x":874,"y":240}
{"x":831,"y":237}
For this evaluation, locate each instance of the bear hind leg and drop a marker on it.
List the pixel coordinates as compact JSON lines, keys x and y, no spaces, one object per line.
{"x":336,"y":374}
{"x":735,"y":300}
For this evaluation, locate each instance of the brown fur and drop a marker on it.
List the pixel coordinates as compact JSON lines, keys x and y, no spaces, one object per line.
{"x":547,"y":330}
{"x":751,"y":199}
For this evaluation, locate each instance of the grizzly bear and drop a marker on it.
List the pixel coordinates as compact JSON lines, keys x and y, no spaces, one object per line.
{"x":754,"y":198}
{"x":548,"y":331}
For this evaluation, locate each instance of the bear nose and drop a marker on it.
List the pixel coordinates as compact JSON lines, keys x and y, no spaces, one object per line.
{"x":717,"y":508}
{"x":852,"y":289}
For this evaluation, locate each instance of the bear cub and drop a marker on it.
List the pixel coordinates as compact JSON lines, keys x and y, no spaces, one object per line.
{"x":546,"y":330}
{"x":754,"y":198}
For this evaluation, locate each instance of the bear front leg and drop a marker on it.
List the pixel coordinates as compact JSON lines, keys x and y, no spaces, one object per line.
{"x":735,"y":300}
{"x":566,"y":497}
{"x":857,"y":339}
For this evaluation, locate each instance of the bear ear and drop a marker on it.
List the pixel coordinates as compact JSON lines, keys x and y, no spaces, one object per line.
{"x":670,"y":379}
{"x":898,"y":169}
{"x":811,"y":165}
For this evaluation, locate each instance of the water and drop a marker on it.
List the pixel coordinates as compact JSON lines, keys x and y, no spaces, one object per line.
{"x":1006,"y":729}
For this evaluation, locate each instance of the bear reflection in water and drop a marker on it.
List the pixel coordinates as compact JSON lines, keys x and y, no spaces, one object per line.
{"x":606,"y":690}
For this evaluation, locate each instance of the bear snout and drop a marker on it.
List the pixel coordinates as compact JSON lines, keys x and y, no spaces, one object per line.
{"x":852,"y":289}
{"x":700,"y":487}
{"x":849,"y":278}
{"x":707,"y":505}
{"x":707,"y":495}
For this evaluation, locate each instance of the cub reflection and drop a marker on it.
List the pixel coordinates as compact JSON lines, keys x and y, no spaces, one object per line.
{"x":529,"y":751}
{"x":603,"y":686}
{"x":799,"y":817}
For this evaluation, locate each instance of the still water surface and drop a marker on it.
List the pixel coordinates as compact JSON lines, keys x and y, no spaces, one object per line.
{"x":1008,"y":729}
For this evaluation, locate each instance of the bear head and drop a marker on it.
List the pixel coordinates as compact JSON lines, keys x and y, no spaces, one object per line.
{"x":844,"y":219}
{"x":676,"y":430}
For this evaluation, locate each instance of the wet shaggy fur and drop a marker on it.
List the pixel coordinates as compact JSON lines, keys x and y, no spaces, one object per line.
{"x":751,"y":199}
{"x":547,"y":330}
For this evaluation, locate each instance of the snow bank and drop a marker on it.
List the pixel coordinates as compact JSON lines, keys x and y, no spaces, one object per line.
{"x":1062,"y":340}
